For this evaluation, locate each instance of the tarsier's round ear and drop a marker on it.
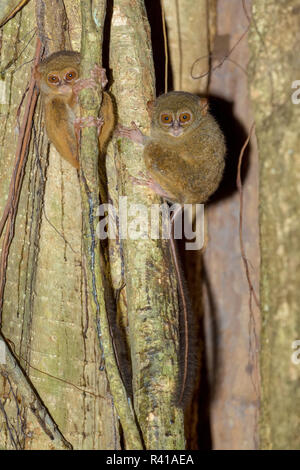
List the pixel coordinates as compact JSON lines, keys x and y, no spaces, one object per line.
{"x":150,"y":107}
{"x":203,"y":103}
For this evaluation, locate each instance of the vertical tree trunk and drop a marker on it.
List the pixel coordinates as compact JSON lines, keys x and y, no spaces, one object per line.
{"x":273,"y":68}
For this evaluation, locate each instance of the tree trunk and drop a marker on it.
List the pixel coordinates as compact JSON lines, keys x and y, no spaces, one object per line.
{"x":152,"y":303}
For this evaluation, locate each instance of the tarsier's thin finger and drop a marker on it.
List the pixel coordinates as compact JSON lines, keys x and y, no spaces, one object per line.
{"x":139,"y":181}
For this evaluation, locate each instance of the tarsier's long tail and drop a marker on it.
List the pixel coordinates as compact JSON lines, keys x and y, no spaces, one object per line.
{"x":187,"y":359}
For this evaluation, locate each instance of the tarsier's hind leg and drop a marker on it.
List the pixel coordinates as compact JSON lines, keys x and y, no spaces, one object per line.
{"x":147,"y":180}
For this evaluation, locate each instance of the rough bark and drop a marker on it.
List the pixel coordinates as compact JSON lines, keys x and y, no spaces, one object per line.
{"x":93,"y":17}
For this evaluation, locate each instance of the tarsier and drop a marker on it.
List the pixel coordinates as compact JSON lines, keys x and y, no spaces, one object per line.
{"x":184,"y":157}
{"x":59,"y":82}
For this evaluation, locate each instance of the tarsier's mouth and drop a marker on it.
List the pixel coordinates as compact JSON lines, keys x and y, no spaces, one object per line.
{"x":64,"y":89}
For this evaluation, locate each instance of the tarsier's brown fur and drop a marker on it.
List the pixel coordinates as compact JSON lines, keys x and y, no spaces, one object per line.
{"x":188,"y":167}
{"x":61,"y":104}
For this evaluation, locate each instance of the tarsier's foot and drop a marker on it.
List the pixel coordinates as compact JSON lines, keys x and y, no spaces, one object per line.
{"x":90,"y":121}
{"x":147,"y":180}
{"x":141,"y":181}
{"x":132,"y":133}
{"x":98,"y":74}
{"x":83,"y":83}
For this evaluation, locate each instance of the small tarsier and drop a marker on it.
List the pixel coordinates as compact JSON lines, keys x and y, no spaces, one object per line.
{"x":59,"y":82}
{"x":184,"y":157}
{"x":184,"y":154}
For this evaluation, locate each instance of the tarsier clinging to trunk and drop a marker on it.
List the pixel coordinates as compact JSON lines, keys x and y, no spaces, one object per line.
{"x":58,"y":77}
{"x":184,"y":157}
{"x":184,"y":154}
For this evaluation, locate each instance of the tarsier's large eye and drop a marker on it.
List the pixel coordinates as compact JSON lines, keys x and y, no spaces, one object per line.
{"x":184,"y":117}
{"x":70,"y":75}
{"x":53,"y":78}
{"x":166,"y":118}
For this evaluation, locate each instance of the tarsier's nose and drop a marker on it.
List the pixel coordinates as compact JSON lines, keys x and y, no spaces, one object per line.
{"x":64,"y":89}
{"x":176,"y":128}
